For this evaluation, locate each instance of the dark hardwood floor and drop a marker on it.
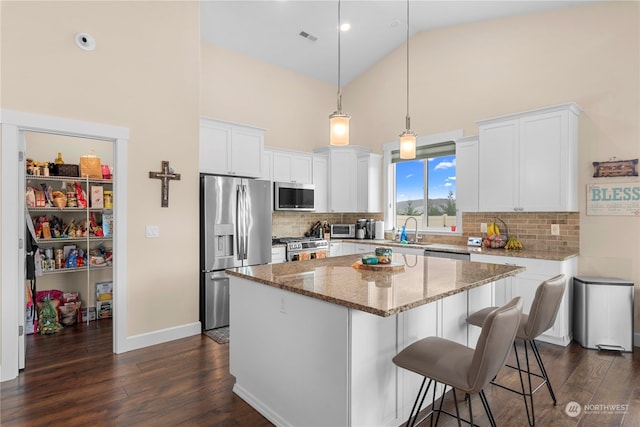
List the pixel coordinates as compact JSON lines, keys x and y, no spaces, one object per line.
{"x":73,"y":379}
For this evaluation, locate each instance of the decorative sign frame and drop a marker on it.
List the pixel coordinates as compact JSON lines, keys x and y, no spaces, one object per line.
{"x":615,"y":168}
{"x":622,"y":198}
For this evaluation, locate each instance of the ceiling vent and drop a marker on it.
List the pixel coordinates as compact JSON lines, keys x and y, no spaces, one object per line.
{"x":308,"y":36}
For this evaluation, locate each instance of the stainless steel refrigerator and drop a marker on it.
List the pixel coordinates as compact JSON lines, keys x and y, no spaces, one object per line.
{"x":235,"y":231}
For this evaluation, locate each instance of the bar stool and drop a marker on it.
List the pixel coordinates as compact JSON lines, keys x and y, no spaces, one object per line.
{"x":541,"y":317}
{"x":459,"y":366}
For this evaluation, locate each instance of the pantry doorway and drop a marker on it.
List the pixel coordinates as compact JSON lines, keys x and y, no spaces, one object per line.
{"x":14,"y":125}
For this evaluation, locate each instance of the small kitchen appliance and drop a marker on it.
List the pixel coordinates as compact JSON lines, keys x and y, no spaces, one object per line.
{"x":361,"y":229}
{"x":343,"y":231}
{"x":370,"y":227}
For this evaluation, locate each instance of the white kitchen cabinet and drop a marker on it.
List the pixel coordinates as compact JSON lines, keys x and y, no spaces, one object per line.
{"x":348,"y":248}
{"x":364,"y":248}
{"x":369,"y":185}
{"x":343,"y":177}
{"x":278,"y":254}
{"x":335,"y":248}
{"x":292,"y":166}
{"x":528,"y":161}
{"x":321,"y":182}
{"x":525,"y":284}
{"x":230,"y":149}
{"x":466,"y":175}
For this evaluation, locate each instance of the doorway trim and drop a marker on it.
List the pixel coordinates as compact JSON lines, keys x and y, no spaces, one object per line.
{"x":14,"y":124}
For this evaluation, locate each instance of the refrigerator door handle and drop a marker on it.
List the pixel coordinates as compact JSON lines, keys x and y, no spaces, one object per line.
{"x":239,"y":210}
{"x":246,"y":222}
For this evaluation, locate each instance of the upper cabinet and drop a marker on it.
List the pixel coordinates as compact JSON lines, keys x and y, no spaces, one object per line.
{"x":354,"y":179}
{"x":369,"y":185}
{"x":528,"y":161}
{"x":292,"y":166}
{"x":467,"y":175}
{"x":320,"y":181}
{"x":230,"y":149}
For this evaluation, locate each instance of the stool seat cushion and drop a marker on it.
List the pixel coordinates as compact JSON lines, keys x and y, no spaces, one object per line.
{"x":440,"y":359}
{"x":477,"y":319}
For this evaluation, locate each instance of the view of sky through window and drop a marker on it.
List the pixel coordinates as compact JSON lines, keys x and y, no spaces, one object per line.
{"x":410,"y":178}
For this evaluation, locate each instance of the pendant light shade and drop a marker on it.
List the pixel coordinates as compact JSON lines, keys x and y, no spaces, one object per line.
{"x":339,"y":121}
{"x":407,"y":145}
{"x":408,"y":137}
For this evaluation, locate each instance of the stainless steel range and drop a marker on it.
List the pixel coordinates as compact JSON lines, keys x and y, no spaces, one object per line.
{"x":304,"y":248}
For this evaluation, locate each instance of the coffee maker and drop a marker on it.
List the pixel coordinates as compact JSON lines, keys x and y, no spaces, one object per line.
{"x":370,"y":227}
{"x":361,"y":229}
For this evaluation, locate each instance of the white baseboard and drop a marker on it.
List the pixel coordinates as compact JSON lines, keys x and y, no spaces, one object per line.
{"x":636,"y":339}
{"x":164,"y":335}
{"x":257,"y":404}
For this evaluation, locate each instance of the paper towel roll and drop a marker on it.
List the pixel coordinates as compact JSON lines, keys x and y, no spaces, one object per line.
{"x":379,"y":230}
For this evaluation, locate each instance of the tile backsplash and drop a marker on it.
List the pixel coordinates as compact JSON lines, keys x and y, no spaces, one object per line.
{"x":532,"y":228}
{"x":295,"y":224}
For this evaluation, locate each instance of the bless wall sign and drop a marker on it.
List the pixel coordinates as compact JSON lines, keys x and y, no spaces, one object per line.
{"x":613,"y":199}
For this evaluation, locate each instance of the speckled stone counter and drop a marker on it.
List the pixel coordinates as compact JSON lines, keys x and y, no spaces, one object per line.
{"x":423,"y":280}
{"x":551,"y":255}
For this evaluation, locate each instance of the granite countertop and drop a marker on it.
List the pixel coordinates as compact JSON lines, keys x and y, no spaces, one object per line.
{"x":422,"y":280}
{"x":552,"y":255}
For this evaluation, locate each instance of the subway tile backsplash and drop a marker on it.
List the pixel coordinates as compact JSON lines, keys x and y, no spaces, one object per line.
{"x":532,"y":228}
{"x":295,"y":224}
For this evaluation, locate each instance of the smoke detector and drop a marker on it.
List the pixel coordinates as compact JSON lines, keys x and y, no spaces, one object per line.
{"x":85,"y":41}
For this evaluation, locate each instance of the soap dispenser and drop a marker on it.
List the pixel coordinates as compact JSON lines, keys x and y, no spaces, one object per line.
{"x":403,"y":234}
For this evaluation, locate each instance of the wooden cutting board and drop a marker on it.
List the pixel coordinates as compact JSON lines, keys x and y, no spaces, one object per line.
{"x":394,"y":266}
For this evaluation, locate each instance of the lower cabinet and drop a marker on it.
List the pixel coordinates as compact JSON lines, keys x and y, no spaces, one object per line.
{"x":278,"y":254}
{"x":525,"y":284}
{"x":335,"y":248}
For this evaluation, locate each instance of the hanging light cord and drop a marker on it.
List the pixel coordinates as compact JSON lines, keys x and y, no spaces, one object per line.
{"x":339,"y":91}
{"x":408,"y":118}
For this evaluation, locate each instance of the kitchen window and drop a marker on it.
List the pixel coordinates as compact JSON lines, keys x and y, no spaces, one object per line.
{"x":423,"y":188}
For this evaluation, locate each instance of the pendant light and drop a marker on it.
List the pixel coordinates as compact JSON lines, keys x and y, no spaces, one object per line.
{"x":408,"y":137}
{"x":339,"y":121}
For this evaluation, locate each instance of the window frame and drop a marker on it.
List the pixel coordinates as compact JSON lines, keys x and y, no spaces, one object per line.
{"x":389,"y":178}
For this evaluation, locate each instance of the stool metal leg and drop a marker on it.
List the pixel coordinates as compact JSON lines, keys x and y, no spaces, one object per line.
{"x":487,"y":409}
{"x":530,"y":414}
{"x":536,"y":353}
{"x":417,"y":410}
{"x":468,"y":397}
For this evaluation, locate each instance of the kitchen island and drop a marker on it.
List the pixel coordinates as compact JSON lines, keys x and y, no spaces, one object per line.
{"x":311,"y":342}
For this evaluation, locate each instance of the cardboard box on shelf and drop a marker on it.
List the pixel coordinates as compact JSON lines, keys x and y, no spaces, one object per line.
{"x":104,"y":291}
{"x":88,"y":314}
{"x":97,"y":198}
{"x":104,"y":309}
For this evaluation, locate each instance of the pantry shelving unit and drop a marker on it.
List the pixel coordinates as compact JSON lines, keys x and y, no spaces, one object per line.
{"x":86,"y":242}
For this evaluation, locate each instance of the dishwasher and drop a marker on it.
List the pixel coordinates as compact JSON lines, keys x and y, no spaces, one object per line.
{"x":450,"y":255}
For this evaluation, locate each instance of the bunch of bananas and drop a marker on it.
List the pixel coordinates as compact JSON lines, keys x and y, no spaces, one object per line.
{"x":493,"y":229}
{"x":512,"y":243}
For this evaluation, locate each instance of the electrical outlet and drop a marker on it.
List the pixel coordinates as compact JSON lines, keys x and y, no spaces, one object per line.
{"x":555,"y":229}
{"x":483,"y":227}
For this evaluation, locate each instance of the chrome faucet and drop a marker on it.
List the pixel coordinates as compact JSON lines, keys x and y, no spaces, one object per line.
{"x":415,"y":235}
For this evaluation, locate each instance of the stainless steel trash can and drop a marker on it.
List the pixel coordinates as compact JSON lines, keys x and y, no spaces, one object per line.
{"x":603,"y":313}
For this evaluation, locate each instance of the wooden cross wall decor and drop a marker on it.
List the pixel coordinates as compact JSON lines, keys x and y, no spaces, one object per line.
{"x":165,"y":175}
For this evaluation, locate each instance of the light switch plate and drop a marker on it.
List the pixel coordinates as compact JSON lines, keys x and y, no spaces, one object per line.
{"x":152,"y":231}
{"x":474,"y":241}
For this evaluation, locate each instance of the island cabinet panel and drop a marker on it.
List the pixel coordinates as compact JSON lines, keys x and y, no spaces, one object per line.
{"x":373,"y":375}
{"x":477,"y":299}
{"x":285,"y":347}
{"x":524,"y":285}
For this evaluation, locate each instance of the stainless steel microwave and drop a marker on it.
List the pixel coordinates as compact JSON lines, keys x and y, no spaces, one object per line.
{"x":290,"y":196}
{"x":343,"y":231}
